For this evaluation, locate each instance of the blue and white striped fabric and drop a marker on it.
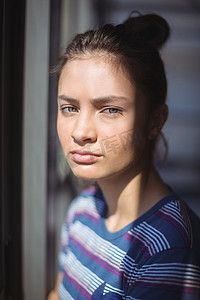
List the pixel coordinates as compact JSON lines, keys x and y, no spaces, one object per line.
{"x":155,"y":257}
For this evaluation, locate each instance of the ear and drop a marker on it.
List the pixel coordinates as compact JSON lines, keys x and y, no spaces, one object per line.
{"x":157,"y":120}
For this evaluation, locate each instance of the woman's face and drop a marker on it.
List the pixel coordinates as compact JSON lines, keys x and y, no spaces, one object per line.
{"x":102,"y":120}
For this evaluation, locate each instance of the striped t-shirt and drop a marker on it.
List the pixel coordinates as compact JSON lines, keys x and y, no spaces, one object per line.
{"x":155,"y":257}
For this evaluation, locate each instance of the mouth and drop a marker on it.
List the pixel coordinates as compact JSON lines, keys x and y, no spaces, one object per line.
{"x":84,"y":157}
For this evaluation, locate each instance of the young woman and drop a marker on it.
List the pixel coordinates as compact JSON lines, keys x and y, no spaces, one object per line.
{"x":129,"y":236}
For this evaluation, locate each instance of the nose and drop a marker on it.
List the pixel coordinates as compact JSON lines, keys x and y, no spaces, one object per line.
{"x":84,"y":130}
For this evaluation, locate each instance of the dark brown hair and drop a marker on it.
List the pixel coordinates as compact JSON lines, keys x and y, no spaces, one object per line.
{"x":134,"y":46}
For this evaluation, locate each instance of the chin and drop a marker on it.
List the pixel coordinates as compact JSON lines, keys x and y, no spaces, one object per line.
{"x":92,"y":175}
{"x":85,"y":172}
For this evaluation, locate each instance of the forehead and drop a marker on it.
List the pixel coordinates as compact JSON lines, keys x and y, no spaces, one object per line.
{"x":97,"y":71}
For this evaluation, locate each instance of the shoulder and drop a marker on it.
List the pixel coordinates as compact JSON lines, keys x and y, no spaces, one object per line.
{"x":82,"y":210}
{"x":89,"y":203}
{"x":165,"y":250}
{"x":175,"y":220}
{"x":169,"y":225}
{"x":178,"y":223}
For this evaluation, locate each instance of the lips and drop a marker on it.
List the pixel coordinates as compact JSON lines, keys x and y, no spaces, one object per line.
{"x":84,"y":156}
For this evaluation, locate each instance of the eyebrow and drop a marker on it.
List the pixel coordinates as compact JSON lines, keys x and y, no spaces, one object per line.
{"x":96,"y":101}
{"x":107,"y":99}
{"x":68,"y":99}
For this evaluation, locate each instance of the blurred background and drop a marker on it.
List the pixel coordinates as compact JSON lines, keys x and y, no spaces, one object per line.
{"x":37,"y":185}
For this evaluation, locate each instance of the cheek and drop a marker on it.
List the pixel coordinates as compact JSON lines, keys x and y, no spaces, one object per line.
{"x":124,"y":143}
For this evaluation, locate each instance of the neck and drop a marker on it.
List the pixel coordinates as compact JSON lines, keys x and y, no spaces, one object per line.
{"x":130,"y":196}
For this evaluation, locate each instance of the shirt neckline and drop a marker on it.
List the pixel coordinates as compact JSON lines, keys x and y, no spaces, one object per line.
{"x":114,"y":235}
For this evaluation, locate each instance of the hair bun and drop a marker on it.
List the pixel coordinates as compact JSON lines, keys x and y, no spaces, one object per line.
{"x":151,"y":28}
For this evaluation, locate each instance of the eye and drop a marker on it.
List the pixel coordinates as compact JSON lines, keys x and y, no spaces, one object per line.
{"x":112,"y":110}
{"x":69,"y":109}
